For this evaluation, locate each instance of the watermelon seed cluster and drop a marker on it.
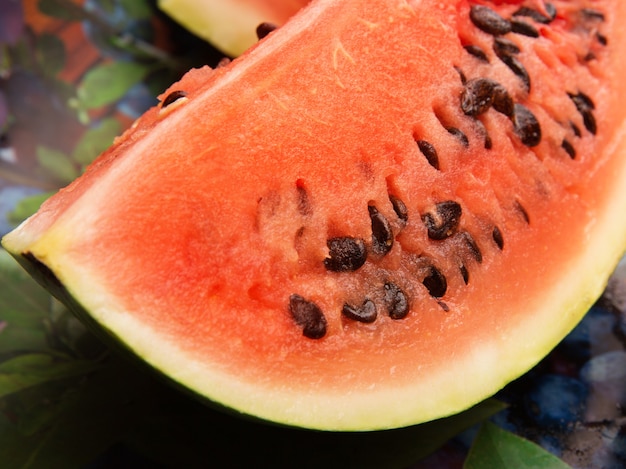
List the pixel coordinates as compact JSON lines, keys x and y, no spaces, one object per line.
{"x":348,"y":254}
{"x":443,"y":219}
{"x":482,"y":93}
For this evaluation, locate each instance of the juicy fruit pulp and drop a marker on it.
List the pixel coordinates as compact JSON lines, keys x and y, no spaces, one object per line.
{"x":378,"y":216}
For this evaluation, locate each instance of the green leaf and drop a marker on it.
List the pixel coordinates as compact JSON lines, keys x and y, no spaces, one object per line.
{"x":56,"y":164}
{"x":24,"y":307}
{"x":27,"y":207}
{"x":14,"y":447}
{"x":109,"y":82}
{"x":495,"y":448}
{"x":50,"y":54}
{"x":95,"y":140}
{"x":32,"y":369}
{"x":92,"y":415}
{"x":39,"y":417}
{"x":21,"y":332}
{"x":137,"y":9}
{"x":70,"y":334}
{"x":18,"y":291}
{"x":29,"y":417}
{"x":58,"y":9}
{"x":36,"y":408}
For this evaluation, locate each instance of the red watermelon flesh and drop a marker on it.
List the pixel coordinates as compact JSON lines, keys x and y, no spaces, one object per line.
{"x":378,"y":216}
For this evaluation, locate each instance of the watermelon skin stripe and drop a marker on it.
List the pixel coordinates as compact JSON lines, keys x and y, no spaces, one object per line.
{"x":151,"y":255}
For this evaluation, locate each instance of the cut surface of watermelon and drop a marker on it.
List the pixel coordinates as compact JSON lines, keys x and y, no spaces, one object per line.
{"x":378,"y":216}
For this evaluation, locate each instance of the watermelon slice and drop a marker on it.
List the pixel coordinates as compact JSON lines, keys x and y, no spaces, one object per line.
{"x":378,"y":216}
{"x":230,"y":25}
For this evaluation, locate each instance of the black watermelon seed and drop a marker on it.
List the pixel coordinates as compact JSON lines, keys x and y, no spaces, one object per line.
{"x":582,"y":100}
{"x":461,"y":75}
{"x":444,"y":306}
{"x":536,"y":15}
{"x":309,"y":316}
{"x":481,"y":93}
{"x":472,"y":246}
{"x":366,"y":313}
{"x":589,"y":57}
{"x":589,"y":120}
{"x":592,"y":14}
{"x":346,"y":254}
{"x":503,"y":47}
{"x":569,"y":148}
{"x":496,"y":234}
{"x":602,"y":39}
{"x":477,"y":96}
{"x":443,"y":221}
{"x":526,"y":126}
{"x":477,"y":52}
{"x":489,"y":21}
{"x":264,"y":29}
{"x":523,"y":28}
{"x":464,"y":273}
{"x":518,"y":69}
{"x":435,"y":283}
{"x":382,"y":235}
{"x":502,"y":101}
{"x":530,"y":13}
{"x":506,"y":50}
{"x":458,"y":133}
{"x":173,"y":96}
{"x":575,"y":129}
{"x":400,"y":208}
{"x":429,"y":152}
{"x":551,"y":11}
{"x":523,"y":212}
{"x":488,"y":142}
{"x":585,"y":106}
{"x":396,"y":301}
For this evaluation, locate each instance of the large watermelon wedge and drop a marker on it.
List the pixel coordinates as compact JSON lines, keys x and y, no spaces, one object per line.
{"x":378,"y":216}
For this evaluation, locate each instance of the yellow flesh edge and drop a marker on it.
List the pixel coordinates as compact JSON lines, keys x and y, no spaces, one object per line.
{"x":228,"y":25}
{"x":582,"y":282}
